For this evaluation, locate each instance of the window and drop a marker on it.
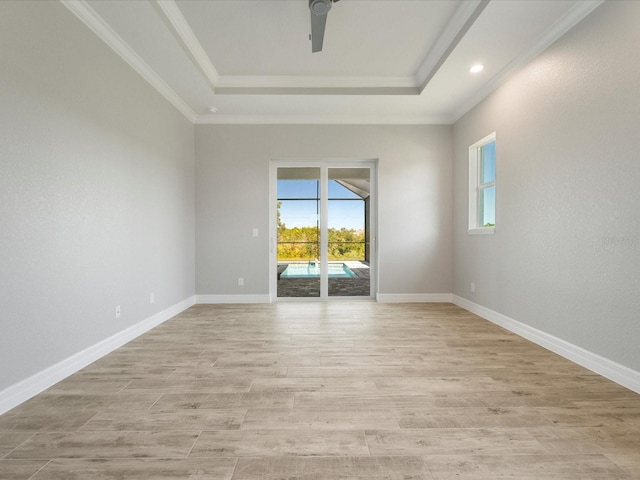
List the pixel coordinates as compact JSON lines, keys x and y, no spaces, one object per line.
{"x":482,"y":185}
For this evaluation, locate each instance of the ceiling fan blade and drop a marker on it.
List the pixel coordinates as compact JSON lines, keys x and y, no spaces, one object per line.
{"x":318,"y":24}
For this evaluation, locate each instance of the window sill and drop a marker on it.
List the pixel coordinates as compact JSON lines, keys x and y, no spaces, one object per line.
{"x":482,"y":231}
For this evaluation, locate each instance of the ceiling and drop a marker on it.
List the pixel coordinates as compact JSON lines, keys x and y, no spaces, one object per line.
{"x":383,"y":61}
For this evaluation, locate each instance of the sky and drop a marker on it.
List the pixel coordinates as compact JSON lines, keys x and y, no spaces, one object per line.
{"x":300,"y":213}
{"x":489,"y":175}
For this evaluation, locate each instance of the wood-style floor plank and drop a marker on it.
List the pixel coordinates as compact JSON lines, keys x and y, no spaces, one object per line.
{"x":138,"y":469}
{"x":260,"y":443}
{"x":104,"y":444}
{"x":527,"y":467}
{"x":335,"y":391}
{"x":340,"y":468}
{"x":20,"y":469}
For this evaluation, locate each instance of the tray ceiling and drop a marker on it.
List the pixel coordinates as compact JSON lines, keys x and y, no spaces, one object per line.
{"x":383,"y":61}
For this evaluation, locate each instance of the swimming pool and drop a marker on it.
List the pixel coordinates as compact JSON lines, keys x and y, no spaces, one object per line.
{"x":307,"y":270}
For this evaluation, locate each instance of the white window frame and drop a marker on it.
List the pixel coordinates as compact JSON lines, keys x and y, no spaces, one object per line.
{"x":476,"y":187}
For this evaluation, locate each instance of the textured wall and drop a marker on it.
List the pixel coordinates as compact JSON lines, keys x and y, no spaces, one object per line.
{"x":565,"y":257}
{"x":96,"y":192}
{"x":414,"y":200}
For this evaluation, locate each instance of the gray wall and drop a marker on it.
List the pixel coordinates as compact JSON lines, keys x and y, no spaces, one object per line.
{"x":565,"y":255}
{"x":414,"y":200}
{"x":96,"y":192}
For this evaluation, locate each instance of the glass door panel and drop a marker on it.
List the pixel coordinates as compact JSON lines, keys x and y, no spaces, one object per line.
{"x":349,"y":232}
{"x":299,"y":254}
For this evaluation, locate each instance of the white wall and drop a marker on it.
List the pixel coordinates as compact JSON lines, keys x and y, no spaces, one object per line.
{"x":565,"y":258}
{"x":414,"y":200}
{"x":96,"y":192}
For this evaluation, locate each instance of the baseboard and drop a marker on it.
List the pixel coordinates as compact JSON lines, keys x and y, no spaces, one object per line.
{"x":414,"y":297}
{"x":22,"y":391}
{"x":380,"y":297}
{"x":620,"y":374}
{"x":206,"y":299}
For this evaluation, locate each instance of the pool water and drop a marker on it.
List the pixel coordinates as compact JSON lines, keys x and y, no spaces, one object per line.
{"x":306,"y":270}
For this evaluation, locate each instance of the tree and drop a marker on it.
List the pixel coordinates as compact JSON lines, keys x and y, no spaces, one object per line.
{"x":281,"y":225}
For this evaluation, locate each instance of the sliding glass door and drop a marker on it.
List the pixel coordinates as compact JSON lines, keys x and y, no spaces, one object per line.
{"x":298,"y":232}
{"x":348,"y":232}
{"x":322,"y":231}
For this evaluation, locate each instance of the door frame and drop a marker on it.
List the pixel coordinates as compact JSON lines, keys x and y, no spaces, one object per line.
{"x":324,"y":165}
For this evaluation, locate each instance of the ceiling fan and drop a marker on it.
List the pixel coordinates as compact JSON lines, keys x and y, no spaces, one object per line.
{"x":319,"y":10}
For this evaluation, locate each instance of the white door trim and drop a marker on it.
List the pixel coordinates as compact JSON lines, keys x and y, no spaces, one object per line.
{"x":324,"y":165}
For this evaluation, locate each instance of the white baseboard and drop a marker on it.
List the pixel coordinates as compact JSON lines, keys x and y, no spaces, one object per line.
{"x":207,"y":299}
{"x":22,"y":391}
{"x":414,"y":297}
{"x":380,"y":297}
{"x":620,"y":374}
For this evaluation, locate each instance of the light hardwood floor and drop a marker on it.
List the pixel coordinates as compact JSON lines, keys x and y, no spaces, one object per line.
{"x":354,"y":390}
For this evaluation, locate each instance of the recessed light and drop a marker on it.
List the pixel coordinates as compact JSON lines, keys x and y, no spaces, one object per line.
{"x":476,"y":68}
{"x":212,"y":109}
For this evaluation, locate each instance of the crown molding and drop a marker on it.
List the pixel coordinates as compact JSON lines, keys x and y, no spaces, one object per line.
{"x":98,"y":26}
{"x":182,"y":29}
{"x":319,"y":120}
{"x":267,"y":81}
{"x":318,"y":91}
{"x":565,"y":23}
{"x":461,"y":21}
{"x":316,"y":85}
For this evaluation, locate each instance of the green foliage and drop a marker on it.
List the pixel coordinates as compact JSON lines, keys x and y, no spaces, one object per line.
{"x":303,"y":243}
{"x":298,"y":243}
{"x":346,"y":244}
{"x":281,"y":225}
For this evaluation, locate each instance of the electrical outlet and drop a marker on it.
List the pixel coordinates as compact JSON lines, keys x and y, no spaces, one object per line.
{"x":118,"y":313}
{"x":254,"y":232}
{"x":152,"y":298}
{"x":241,"y":282}
{"x":473,"y":287}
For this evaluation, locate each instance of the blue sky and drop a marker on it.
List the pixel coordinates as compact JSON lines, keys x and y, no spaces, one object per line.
{"x":300,"y":213}
{"x":489,"y":175}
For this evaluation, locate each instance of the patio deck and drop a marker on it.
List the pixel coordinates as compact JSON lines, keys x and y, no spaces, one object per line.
{"x":358,"y":286}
